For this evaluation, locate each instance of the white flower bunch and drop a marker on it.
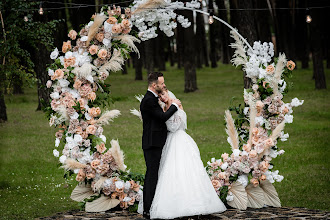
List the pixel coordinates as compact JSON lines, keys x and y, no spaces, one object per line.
{"x":145,"y":20}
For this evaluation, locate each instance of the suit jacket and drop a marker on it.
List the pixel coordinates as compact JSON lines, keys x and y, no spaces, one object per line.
{"x":154,"y":118}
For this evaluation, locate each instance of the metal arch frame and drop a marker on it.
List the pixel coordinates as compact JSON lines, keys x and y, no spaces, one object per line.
{"x":222,"y":21}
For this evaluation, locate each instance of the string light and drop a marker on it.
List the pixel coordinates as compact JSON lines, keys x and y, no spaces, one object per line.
{"x":26,"y":19}
{"x":41,"y":10}
{"x":211,"y":20}
{"x":308,"y":16}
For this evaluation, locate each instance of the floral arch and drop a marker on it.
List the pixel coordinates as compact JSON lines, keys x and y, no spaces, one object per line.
{"x":242,"y":178}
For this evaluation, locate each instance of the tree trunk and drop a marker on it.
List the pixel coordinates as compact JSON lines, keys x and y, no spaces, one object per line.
{"x":17,"y":84}
{"x":317,"y":46}
{"x":138,"y":63}
{"x":3,"y":111}
{"x":224,"y":33}
{"x":149,"y":55}
{"x":246,"y":27}
{"x":171,"y":53}
{"x":160,"y":51}
{"x":189,"y":55}
{"x":124,"y":70}
{"x":212,"y":36}
{"x":41,"y":59}
{"x":180,"y":45}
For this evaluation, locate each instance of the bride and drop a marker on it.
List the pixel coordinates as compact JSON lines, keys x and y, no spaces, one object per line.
{"x":183,"y":188}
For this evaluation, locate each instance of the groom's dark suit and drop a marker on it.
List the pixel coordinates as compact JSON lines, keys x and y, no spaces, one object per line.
{"x":153,"y":140}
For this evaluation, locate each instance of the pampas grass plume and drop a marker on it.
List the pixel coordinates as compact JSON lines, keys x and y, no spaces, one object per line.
{"x":117,"y":154}
{"x":70,"y":164}
{"x":231,"y":131}
{"x":98,"y":21}
{"x":107,"y":117}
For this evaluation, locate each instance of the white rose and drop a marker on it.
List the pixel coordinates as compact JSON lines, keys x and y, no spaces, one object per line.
{"x":54,"y":54}
{"x":56,"y":153}
{"x":88,"y":116}
{"x":49,"y":84}
{"x":224,"y":166}
{"x":57,"y":142}
{"x":84,"y":38}
{"x":104,"y":139}
{"x":62,"y":159}
{"x":50,"y":72}
{"x":55,"y":95}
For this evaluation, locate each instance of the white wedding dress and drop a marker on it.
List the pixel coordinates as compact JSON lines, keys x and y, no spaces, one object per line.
{"x":183,"y":188}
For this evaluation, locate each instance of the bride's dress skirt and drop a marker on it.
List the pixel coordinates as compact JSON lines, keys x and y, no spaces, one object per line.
{"x":183,"y":188}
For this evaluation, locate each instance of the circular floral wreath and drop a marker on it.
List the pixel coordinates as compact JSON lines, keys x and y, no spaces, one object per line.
{"x":241,"y":179}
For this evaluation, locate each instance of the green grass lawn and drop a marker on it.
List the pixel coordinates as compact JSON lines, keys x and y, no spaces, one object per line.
{"x":32,"y":186}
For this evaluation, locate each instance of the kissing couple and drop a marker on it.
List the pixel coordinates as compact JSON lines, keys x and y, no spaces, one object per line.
{"x":176,"y":183}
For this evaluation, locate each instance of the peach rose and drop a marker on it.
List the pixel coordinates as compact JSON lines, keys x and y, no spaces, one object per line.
{"x":95,"y":163}
{"x":101,"y":148}
{"x":59,"y":74}
{"x":112,"y":20}
{"x":247,"y":147}
{"x":122,"y":196}
{"x":222,"y":175}
{"x":80,"y":178}
{"x":90,"y":175}
{"x":116,"y":29}
{"x":114,"y":195}
{"x":128,"y":12}
{"x":269,"y":142}
{"x":91,"y":129}
{"x":120,"y":190}
{"x":84,"y":135}
{"x":91,"y":96}
{"x":93,"y":49}
{"x":126,"y":30}
{"x":81,"y":103}
{"x":216,"y":184}
{"x":253,"y":153}
{"x":77,"y":84}
{"x":285,"y":110}
{"x":259,"y":104}
{"x":255,"y":182}
{"x":290,"y":65}
{"x":225,"y":156}
{"x":270,"y":69}
{"x":125,"y":23}
{"x":132,"y":201}
{"x":94,"y":112}
{"x":69,"y":62}
{"x":91,"y":121}
{"x":72,"y":34}
{"x":263,"y":177}
{"x":66,"y":46}
{"x":263,"y":166}
{"x":99,"y":37}
{"x":102,"y":54}
{"x":123,"y":205}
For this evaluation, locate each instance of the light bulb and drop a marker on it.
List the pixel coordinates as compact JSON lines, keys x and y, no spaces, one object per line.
{"x":26,"y":19}
{"x":211,"y":20}
{"x":41,"y":11}
{"x":308,"y":18}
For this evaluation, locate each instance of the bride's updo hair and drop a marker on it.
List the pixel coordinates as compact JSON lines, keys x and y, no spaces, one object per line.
{"x":153,"y":77}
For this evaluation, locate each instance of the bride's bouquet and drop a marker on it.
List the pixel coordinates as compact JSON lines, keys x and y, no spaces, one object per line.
{"x":244,"y":178}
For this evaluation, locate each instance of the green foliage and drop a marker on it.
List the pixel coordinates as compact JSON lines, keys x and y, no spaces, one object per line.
{"x":22,"y":38}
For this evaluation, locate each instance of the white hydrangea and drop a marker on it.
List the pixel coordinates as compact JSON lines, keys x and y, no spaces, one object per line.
{"x":55,"y":95}
{"x":296,"y":102}
{"x":243,"y":179}
{"x":284,"y":137}
{"x":288,"y":119}
{"x":56,"y":153}
{"x":62,"y":159}
{"x":224,"y":166}
{"x":119,"y":184}
{"x":230,"y":197}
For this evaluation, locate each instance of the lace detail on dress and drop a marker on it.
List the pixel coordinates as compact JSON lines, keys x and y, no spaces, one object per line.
{"x":177,"y":121}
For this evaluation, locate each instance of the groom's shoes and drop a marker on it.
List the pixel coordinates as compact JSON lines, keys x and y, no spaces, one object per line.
{"x":146,"y":215}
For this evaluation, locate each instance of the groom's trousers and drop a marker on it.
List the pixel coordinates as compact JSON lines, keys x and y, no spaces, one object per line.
{"x":152,"y":158}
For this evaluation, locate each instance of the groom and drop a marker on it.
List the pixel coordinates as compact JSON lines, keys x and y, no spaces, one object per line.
{"x":154,"y":134}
